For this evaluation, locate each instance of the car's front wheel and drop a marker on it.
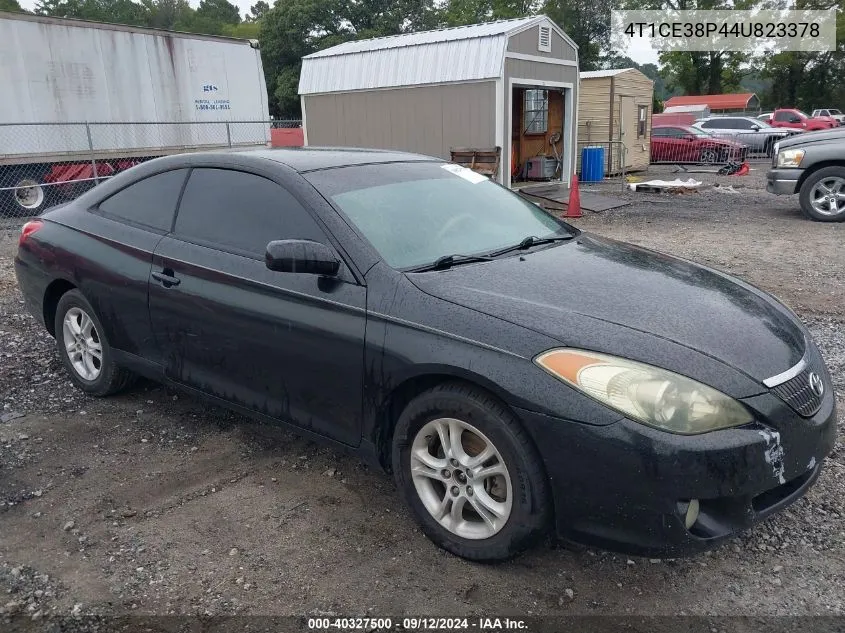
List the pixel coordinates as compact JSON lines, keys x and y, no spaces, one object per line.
{"x":84,"y":350}
{"x":709,"y":156}
{"x":822,"y":195}
{"x":470,"y":473}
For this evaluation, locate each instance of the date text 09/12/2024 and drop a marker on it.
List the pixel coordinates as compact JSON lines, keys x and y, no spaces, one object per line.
{"x":482,"y":624}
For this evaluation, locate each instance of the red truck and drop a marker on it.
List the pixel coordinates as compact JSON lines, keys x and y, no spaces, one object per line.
{"x":798,"y":120}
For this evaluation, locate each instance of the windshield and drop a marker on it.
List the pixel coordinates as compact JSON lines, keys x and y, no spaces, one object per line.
{"x":415,"y":213}
{"x":834,"y":111}
{"x":761,"y":123}
{"x":803,"y":114}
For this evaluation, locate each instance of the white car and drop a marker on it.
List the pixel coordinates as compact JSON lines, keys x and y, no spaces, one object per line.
{"x":766,"y":116}
{"x":833,"y":113}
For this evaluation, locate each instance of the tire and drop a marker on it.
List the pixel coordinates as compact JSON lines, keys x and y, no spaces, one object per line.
{"x":519,"y":492}
{"x":709,"y":156}
{"x":95,"y":376}
{"x":812,"y":193}
{"x":25,"y":202}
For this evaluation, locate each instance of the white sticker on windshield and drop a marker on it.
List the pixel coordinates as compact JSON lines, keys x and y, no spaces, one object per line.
{"x":466,"y":174}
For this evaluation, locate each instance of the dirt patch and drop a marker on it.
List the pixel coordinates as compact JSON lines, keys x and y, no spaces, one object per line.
{"x":155,"y":503}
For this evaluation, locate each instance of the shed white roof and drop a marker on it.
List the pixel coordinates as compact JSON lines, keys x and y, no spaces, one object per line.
{"x":463,"y":53}
{"x":600,"y":74}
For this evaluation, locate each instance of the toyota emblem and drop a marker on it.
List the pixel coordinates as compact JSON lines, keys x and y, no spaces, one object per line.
{"x":816,"y":384}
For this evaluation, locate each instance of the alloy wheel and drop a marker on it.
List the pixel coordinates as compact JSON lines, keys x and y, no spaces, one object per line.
{"x":82,"y":344}
{"x":708,"y":156}
{"x":827,"y":196}
{"x":461,"y":478}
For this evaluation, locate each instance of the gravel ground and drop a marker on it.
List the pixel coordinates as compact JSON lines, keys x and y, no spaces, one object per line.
{"x":155,"y":503}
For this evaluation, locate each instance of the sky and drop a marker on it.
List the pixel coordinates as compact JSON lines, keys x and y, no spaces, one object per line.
{"x":639,"y":51}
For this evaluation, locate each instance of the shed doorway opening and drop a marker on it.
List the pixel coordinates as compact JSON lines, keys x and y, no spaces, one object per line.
{"x":537,"y":133}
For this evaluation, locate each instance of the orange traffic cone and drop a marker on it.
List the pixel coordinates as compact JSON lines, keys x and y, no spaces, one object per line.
{"x":743,"y":170}
{"x":573,"y":208}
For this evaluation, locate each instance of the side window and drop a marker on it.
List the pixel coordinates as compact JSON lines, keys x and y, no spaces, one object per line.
{"x":709,"y":124}
{"x":241,"y":212}
{"x":675,"y":132}
{"x":642,"y":120}
{"x":782,"y":116}
{"x":151,"y":201}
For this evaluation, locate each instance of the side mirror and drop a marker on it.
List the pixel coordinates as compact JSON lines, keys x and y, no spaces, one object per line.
{"x":756,"y":128}
{"x":688,"y":137}
{"x":301,"y":256}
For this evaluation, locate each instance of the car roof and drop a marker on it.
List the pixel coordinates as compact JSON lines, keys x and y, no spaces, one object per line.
{"x":726,"y":116}
{"x":304,"y":159}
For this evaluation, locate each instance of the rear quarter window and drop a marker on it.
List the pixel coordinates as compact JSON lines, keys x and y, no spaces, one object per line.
{"x":150,"y":202}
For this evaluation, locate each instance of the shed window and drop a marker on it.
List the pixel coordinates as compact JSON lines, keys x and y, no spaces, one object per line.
{"x":544,"y":39}
{"x":642,"y":120}
{"x":536,"y":112}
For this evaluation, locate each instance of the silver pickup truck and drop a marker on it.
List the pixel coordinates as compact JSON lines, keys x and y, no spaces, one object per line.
{"x":813,"y":166}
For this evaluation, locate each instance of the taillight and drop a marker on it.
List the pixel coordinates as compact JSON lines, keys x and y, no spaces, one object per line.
{"x":28,"y":229}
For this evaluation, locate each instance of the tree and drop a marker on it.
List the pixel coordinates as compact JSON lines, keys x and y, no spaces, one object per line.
{"x":587,"y":22}
{"x":218,"y":12}
{"x":461,"y":12}
{"x":257,"y":11}
{"x":114,"y":11}
{"x":11,"y":5}
{"x":295,"y":28}
{"x":807,"y":80}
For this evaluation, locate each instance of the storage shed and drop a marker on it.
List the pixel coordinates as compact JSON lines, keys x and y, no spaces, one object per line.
{"x":615,"y":111}
{"x":510,"y":84}
{"x":739,"y":103}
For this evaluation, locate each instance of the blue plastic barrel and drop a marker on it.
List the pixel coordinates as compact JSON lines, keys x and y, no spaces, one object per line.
{"x":592,"y":164}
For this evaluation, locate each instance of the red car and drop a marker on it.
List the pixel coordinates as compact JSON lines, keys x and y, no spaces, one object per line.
{"x":683,"y":144}
{"x":798,"y":120}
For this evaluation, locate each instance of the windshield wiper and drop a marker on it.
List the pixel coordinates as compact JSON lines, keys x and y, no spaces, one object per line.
{"x":447,"y":261}
{"x":528,"y":242}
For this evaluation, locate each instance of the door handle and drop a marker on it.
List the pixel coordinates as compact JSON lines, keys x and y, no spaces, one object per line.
{"x":166,"y":279}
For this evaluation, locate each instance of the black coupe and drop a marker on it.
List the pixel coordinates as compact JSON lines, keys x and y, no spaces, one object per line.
{"x":512,"y":372}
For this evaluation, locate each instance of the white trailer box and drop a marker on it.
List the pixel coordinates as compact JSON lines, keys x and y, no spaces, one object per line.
{"x":59,"y":71}
{"x":80,"y":101}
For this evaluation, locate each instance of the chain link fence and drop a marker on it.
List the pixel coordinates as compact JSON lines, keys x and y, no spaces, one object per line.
{"x":603,"y":160}
{"x":44,"y":164}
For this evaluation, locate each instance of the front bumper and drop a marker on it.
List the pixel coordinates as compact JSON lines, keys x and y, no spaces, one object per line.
{"x":783,"y":182}
{"x":624,"y":487}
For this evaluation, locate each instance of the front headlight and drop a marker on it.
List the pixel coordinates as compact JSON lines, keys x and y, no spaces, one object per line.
{"x":647,"y":394}
{"x":790,"y":157}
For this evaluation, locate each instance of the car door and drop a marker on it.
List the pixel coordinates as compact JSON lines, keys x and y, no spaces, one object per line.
{"x":671,"y":146}
{"x":286,"y":345}
{"x":132,"y":222}
{"x":748,"y":135}
{"x":658,"y":144}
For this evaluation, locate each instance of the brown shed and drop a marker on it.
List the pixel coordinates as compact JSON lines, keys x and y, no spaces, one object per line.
{"x":510,"y":84}
{"x":614,"y":110}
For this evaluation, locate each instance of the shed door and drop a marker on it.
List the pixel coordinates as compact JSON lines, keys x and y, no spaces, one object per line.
{"x":627,"y":117}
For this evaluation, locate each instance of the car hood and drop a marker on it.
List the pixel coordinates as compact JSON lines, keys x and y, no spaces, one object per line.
{"x":835,"y":135}
{"x":576,"y":289}
{"x":722,"y":142}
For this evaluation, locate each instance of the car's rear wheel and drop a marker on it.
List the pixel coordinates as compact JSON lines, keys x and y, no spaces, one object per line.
{"x":470,"y":474}
{"x":822,"y":195}
{"x":83,"y":348}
